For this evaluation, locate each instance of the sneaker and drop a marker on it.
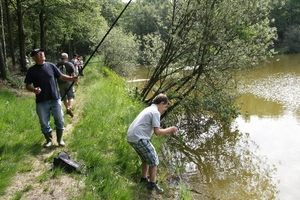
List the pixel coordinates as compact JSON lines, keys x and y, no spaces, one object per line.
{"x":61,"y":143}
{"x":154,"y":186}
{"x":144,"y":181}
{"x":69,"y":112}
{"x":48,"y":144}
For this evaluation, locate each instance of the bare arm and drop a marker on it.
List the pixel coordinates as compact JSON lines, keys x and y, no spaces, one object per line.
{"x":170,"y":130}
{"x":30,"y":88}
{"x":74,"y":75}
{"x":69,"y":78}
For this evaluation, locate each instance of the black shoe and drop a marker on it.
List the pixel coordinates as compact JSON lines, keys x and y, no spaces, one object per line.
{"x":144,"y":181}
{"x":154,"y":186}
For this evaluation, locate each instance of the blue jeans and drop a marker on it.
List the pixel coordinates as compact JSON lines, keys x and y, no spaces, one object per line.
{"x":43,"y":111}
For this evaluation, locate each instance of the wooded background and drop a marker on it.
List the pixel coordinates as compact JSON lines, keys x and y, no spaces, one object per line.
{"x":214,"y":37}
{"x":75,"y":26}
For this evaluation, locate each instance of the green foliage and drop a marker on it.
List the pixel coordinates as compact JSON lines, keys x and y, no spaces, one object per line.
{"x":111,"y":9}
{"x":202,"y":51}
{"x":285,"y":17}
{"x":292,"y":39}
{"x":222,"y":105}
{"x":16,"y":82}
{"x":69,"y":25}
{"x":185,"y":193}
{"x":147,"y":21}
{"x":145,"y":17}
{"x":152,"y":47}
{"x":120,"y":52}
{"x":278,"y":16}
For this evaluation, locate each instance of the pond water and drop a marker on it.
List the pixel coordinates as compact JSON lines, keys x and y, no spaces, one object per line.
{"x":271,"y":116}
{"x":259,"y":157}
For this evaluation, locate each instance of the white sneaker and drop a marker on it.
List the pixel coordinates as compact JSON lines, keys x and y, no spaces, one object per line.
{"x":62,"y":143}
{"x":48,"y":144}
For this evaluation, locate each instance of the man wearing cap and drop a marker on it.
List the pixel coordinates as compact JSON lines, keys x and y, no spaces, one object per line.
{"x":68,"y":93}
{"x":41,"y":80}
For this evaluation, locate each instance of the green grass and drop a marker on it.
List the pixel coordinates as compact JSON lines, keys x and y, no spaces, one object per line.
{"x":19,"y":134}
{"x":100,"y":137}
{"x":98,"y":140}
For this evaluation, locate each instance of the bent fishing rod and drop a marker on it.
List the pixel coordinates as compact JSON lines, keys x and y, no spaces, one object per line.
{"x":85,"y":64}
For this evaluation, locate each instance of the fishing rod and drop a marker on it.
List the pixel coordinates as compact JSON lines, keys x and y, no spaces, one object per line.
{"x":85,"y":64}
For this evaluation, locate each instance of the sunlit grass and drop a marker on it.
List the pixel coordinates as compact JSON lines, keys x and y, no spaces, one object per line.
{"x":100,"y":138}
{"x":19,"y":134}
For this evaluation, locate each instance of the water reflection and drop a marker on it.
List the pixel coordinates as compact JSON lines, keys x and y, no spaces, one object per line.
{"x":252,"y":105}
{"x":221,"y":163}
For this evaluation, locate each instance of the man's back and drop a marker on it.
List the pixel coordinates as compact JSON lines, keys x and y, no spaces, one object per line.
{"x":65,"y":68}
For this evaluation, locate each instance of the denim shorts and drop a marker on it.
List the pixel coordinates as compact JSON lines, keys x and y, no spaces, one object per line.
{"x":146,"y":151}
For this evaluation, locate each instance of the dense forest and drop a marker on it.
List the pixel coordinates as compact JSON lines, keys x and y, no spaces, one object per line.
{"x":212,"y":36}
{"x":75,"y":26}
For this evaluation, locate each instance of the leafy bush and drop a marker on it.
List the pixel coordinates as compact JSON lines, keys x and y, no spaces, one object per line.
{"x":120,"y":52}
{"x":292,"y":39}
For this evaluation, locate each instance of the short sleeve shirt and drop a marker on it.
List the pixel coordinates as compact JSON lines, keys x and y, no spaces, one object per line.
{"x":143,"y":124}
{"x":69,"y":70}
{"x":69,"y":67}
{"x":44,"y":76}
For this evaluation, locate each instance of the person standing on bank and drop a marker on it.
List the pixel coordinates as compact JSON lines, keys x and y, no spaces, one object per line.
{"x":41,"y":80}
{"x":67,"y":68}
{"x":80,"y":65}
{"x":139,"y":134}
{"x":74,"y":61}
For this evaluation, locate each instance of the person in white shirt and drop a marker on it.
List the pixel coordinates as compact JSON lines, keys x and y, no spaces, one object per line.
{"x":74,"y":61}
{"x":138,"y":136}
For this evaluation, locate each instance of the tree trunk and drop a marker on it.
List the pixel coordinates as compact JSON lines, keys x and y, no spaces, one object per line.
{"x":10,"y":38}
{"x":2,"y":64}
{"x":42,"y":26}
{"x":3,"y":35}
{"x":22,"y":37}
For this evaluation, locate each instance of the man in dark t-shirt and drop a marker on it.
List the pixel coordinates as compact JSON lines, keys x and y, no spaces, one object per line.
{"x":66,"y":88}
{"x":41,"y":80}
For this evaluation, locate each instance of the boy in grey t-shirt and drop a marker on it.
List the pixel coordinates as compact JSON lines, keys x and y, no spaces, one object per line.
{"x":138,"y":136}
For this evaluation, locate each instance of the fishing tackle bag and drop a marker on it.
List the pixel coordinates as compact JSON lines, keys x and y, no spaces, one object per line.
{"x":65,"y":162}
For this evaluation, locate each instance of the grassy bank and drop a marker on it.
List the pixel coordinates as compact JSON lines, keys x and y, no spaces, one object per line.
{"x":98,"y":139}
{"x":18,"y":135}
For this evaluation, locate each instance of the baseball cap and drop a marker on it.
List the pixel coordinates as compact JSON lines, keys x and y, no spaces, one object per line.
{"x":35,"y":51}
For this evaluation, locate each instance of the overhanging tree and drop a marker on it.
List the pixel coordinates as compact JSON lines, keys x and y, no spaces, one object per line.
{"x":207,"y":42}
